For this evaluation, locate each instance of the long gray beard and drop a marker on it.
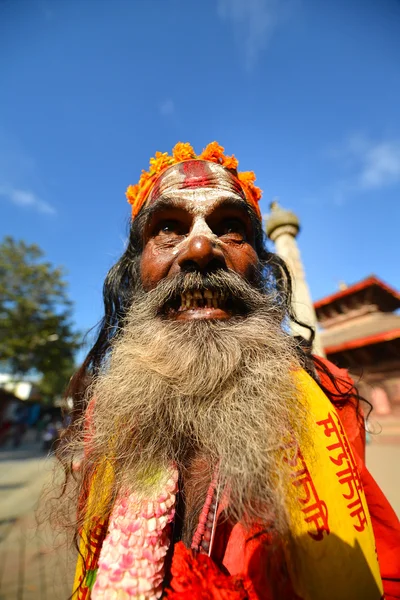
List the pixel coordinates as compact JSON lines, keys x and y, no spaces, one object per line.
{"x":219,"y":390}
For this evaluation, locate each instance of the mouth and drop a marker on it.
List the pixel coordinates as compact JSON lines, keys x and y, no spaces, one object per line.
{"x":203,"y":304}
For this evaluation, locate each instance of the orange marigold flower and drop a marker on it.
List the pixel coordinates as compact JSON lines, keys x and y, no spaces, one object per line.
{"x":137,"y":194}
{"x":253,"y":193}
{"x":257,"y":192}
{"x":213,"y":152}
{"x":230,"y":162}
{"x":144,"y":176}
{"x":157,"y":157}
{"x":160,"y":162}
{"x":247,"y":176}
{"x":131,"y":193}
{"x":183,"y":151}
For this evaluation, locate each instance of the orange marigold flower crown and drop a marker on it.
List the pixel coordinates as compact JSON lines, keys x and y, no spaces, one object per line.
{"x":138,"y":194}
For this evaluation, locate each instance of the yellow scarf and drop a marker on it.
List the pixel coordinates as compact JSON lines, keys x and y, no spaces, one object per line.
{"x":332,"y":552}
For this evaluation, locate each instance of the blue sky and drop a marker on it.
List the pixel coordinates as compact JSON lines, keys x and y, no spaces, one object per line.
{"x":305,"y":93}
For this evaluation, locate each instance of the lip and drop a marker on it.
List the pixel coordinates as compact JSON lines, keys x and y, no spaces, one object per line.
{"x":192,"y":314}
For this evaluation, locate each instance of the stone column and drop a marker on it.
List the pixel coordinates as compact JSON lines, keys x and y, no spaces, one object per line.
{"x":282,"y":227}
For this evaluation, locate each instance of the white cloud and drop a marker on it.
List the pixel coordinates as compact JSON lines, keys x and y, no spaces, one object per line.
{"x":380,"y":163}
{"x":365,"y":164}
{"x":375,"y":164}
{"x":254,"y":23}
{"x":19,"y":176}
{"x":26,"y":199}
{"x":167,"y":107}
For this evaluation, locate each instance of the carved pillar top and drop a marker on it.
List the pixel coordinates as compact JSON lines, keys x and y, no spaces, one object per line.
{"x":281,"y":221}
{"x":282,"y":227}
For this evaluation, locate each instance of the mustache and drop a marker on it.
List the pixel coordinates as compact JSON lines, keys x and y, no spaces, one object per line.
{"x":248,"y":297}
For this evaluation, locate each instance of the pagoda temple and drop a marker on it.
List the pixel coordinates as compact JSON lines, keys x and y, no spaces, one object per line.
{"x":361,"y":332}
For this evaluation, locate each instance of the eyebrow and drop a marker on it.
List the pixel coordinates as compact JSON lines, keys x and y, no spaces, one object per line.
{"x":167,"y":202}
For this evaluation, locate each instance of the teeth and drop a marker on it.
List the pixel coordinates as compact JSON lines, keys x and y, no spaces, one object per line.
{"x":197,"y":295}
{"x":207,"y":299}
{"x":215,"y":299}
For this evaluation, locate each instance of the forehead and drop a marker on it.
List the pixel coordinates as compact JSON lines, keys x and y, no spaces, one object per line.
{"x":196,"y":181}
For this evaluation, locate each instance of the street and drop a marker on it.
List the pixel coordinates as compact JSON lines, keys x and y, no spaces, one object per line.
{"x":383,"y":463}
{"x":31,"y":565}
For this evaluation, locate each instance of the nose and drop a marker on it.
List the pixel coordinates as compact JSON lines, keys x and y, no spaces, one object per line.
{"x":201,"y":254}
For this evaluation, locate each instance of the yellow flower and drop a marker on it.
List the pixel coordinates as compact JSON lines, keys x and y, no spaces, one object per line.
{"x":160,"y":162}
{"x":155,"y":159}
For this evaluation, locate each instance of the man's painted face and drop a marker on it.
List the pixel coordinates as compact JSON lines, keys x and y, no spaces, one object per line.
{"x":198,"y":222}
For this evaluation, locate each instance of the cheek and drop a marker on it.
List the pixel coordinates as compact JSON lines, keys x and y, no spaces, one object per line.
{"x":154,"y":266}
{"x":243,"y":260}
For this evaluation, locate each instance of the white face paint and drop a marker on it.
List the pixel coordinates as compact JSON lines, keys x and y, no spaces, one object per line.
{"x":200,"y":201}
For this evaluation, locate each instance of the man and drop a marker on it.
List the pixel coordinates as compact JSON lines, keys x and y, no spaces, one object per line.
{"x":215,"y":462}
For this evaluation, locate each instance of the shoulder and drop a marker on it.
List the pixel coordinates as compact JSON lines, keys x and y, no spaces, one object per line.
{"x":335,"y":380}
{"x":339,"y":386}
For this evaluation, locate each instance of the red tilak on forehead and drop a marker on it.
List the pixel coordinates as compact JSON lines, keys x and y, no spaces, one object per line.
{"x":199,"y":174}
{"x":196,"y":174}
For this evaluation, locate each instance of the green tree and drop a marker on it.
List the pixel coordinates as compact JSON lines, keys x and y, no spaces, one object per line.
{"x":36,"y":332}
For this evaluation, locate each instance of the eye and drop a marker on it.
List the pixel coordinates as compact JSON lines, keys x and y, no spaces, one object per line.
{"x":168,"y":227}
{"x":234,"y":228}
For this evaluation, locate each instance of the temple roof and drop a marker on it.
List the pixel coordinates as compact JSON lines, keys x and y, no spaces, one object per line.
{"x":370,"y":330}
{"x":367,"y":353}
{"x":370,"y":290}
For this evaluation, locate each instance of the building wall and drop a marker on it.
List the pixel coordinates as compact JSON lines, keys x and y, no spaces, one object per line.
{"x":381,"y":387}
